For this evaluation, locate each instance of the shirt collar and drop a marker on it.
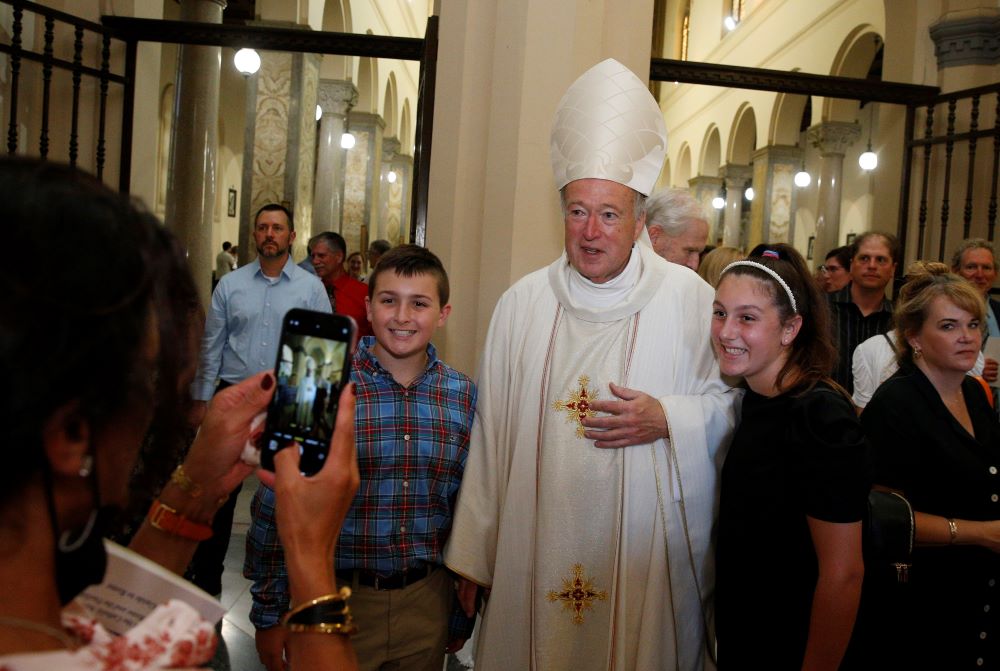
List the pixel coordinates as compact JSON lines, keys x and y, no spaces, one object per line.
{"x":287,"y":270}
{"x":366,"y":357}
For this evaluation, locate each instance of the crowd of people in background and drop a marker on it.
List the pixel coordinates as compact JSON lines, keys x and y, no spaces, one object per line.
{"x":656,"y":469}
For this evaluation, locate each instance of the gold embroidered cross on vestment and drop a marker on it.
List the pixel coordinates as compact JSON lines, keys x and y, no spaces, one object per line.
{"x":578,"y":594}
{"x":578,"y":405}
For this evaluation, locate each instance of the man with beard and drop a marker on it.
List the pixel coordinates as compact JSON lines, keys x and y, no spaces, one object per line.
{"x":242,"y":329}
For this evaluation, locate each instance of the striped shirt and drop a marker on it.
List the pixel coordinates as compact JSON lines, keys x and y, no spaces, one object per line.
{"x":851,"y":328}
{"x":412,"y":444}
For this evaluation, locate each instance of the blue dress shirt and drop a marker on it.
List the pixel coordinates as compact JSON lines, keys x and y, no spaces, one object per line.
{"x":244,"y":322}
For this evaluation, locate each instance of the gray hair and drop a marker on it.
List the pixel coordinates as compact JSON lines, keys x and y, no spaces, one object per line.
{"x":966,"y":245}
{"x":672,"y":210}
{"x":639,"y":206}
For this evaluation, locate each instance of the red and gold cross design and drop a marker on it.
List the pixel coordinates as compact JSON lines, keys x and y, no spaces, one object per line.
{"x":578,"y":405}
{"x":578,"y":594}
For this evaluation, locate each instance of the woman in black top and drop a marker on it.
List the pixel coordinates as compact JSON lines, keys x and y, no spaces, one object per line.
{"x":936,"y":440}
{"x":794,"y":486}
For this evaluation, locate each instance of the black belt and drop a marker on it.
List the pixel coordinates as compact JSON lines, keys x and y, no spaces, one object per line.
{"x":384,"y":582}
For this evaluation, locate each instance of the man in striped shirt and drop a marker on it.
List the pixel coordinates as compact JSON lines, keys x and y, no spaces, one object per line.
{"x":860,"y":310}
{"x":412,"y":427}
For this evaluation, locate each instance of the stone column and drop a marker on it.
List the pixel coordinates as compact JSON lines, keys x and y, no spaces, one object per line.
{"x":705,"y":189}
{"x":280,"y":144}
{"x":390,"y":194}
{"x":772,"y":212}
{"x":336,"y":98}
{"x":361,"y":180}
{"x":832,"y":139}
{"x":736,"y":177}
{"x":402,"y":165}
{"x":194,"y":146}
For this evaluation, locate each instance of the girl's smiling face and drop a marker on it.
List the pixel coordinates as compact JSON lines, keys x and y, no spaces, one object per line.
{"x":747,"y":333}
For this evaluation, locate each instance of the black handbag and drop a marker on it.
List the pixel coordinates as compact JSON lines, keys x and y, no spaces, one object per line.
{"x":888,"y":534}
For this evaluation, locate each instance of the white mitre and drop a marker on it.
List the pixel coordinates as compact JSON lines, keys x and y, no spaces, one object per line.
{"x":608,"y":126}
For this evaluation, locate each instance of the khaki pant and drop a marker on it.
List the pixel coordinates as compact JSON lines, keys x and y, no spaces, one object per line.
{"x":403,"y":629}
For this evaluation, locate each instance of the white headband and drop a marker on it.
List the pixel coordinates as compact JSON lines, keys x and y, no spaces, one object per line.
{"x":776,"y":276}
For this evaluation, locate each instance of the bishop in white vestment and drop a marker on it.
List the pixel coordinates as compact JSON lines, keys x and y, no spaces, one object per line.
{"x":596,"y":557}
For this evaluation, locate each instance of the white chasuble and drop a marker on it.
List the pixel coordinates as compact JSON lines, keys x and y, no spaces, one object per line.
{"x":596,"y":559}
{"x":579,"y":495}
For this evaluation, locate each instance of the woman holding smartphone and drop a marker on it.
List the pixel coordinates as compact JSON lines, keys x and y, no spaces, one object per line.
{"x":111,"y":325}
{"x":794,"y":486}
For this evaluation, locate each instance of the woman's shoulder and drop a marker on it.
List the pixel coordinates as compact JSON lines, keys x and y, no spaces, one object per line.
{"x":824,"y":413}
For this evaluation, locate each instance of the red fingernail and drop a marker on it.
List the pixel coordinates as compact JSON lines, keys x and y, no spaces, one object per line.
{"x":267,"y":382}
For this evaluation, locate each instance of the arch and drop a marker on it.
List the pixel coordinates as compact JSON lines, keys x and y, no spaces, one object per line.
{"x":711,"y":153}
{"x":337,"y":19}
{"x":367,"y":84}
{"x":855,"y":57}
{"x":743,"y":138}
{"x":786,"y":119}
{"x":406,"y":140}
{"x":683,"y":172}
{"x":389,"y":106}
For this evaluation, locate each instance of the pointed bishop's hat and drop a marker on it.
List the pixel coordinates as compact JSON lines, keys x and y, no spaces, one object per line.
{"x":608,"y":126}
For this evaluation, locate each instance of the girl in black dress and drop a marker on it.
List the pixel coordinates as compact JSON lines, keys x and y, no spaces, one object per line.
{"x":936,"y":440}
{"x":794,"y":485}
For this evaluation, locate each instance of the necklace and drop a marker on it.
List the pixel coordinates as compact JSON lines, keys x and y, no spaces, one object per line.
{"x":68,"y":641}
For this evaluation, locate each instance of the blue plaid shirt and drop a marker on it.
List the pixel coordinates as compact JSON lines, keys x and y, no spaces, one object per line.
{"x":412,"y":444}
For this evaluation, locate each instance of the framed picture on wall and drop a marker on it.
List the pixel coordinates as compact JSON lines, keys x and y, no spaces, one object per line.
{"x":850,"y":238}
{"x":231,"y":210}
{"x":809,"y":248}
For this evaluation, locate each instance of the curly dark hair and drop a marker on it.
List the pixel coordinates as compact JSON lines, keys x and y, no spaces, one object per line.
{"x":78,"y":326}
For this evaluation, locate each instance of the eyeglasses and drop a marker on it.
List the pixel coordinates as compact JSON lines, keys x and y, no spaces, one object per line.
{"x":830,"y":269}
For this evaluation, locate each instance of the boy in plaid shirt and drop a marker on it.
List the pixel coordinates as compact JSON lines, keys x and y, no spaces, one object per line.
{"x":412,"y":427}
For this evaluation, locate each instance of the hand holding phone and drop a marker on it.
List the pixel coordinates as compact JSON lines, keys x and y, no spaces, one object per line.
{"x":312,"y":367}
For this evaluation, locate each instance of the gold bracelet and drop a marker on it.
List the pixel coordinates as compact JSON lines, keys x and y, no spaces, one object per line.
{"x":953,"y":530}
{"x":345,"y":628}
{"x":342,"y":595}
{"x":184,"y":482}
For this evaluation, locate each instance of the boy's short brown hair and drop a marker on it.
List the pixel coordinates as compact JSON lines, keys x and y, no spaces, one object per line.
{"x":410,"y":260}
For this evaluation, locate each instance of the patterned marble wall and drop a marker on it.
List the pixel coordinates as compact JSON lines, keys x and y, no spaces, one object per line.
{"x":782,"y":186}
{"x":270,"y":138}
{"x":355,"y":189}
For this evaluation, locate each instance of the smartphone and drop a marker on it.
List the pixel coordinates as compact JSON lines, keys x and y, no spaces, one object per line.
{"x":314,"y":364}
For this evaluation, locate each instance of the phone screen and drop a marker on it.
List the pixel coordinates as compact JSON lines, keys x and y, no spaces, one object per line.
{"x":313,"y":365}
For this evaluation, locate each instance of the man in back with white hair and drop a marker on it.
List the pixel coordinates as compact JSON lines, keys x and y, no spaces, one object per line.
{"x":677,"y":226}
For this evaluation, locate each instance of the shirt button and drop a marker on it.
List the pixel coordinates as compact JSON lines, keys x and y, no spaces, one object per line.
{"x":264,"y":344}
{"x":406,"y":437}
{"x":986,"y":608}
{"x":979,"y":661}
{"x":982,"y":636}
{"x":402,"y":529}
{"x":992,"y":582}
{"x":406,"y":483}
{"x":993,"y":470}
{"x":994,"y":498}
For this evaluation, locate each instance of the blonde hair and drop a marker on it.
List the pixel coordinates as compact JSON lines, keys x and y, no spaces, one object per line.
{"x":925,"y":281}
{"x":710,"y":268}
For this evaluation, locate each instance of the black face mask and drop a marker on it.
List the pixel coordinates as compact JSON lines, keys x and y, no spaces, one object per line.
{"x":80,"y":556}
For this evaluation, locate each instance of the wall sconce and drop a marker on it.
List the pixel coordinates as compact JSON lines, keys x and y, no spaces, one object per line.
{"x":391,"y":177}
{"x":749,"y":193}
{"x":247,"y":61}
{"x":319,"y":112}
{"x":347,"y":140}
{"x":730,"y":23}
{"x":718,"y":202}
{"x":869,"y":159}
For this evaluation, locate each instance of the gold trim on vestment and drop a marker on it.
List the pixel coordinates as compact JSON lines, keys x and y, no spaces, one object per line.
{"x":578,"y":594}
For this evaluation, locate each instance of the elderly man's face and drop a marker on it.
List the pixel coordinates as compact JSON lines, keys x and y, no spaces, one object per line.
{"x":684,"y":249}
{"x":600,"y":227}
{"x":977,"y":267}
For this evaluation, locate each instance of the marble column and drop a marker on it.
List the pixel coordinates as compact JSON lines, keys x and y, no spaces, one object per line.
{"x":736,"y":178}
{"x":705,"y":189}
{"x":194,"y":145}
{"x":402,"y":165}
{"x":832,"y":139}
{"x":362,"y":183}
{"x":280,"y":142}
{"x":390,"y":194}
{"x":336,"y":98}
{"x":772,"y":213}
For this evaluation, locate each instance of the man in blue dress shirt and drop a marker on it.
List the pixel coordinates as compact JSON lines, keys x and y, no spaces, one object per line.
{"x":241,"y":339}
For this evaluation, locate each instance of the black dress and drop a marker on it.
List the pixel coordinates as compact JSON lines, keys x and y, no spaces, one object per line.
{"x":795,"y":455}
{"x":952,"y":617}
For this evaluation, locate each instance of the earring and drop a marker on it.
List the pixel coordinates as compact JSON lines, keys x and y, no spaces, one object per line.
{"x":917,"y":353}
{"x":87,"y":467}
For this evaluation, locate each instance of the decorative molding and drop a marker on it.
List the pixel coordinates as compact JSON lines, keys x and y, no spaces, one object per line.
{"x":967,"y":38}
{"x":833,"y":137}
{"x":336,"y":96}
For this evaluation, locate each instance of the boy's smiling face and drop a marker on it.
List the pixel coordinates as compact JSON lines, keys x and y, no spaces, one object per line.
{"x":404,"y":313}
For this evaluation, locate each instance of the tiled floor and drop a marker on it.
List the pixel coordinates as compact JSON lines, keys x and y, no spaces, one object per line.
{"x":236,"y":628}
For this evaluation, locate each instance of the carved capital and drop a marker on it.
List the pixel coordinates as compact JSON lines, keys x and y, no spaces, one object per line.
{"x":833,"y":137}
{"x":736,"y":176}
{"x":336,"y":97}
{"x":390,"y":147}
{"x":970,"y":37}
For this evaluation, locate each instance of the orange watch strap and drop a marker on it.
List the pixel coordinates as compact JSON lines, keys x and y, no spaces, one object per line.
{"x":167,"y":519}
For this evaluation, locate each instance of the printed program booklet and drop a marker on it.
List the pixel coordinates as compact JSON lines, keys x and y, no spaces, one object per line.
{"x":133,"y":586}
